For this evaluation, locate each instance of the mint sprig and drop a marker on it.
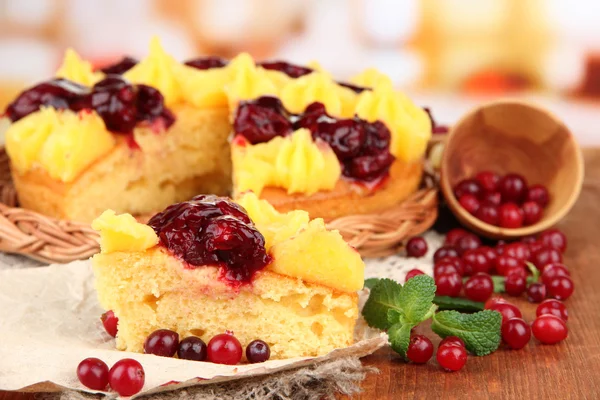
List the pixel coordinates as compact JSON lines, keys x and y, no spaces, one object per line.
{"x":479,"y":331}
{"x":457,"y":303}
{"x":371,"y":282}
{"x":384,"y":297}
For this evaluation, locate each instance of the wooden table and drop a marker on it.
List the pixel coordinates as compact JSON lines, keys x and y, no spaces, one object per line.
{"x":569,"y":370}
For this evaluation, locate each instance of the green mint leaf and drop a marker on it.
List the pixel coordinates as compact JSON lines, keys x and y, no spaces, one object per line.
{"x":535,"y":273}
{"x":416,"y":297}
{"x":371,"y":282}
{"x":498,"y":282}
{"x":399,"y":337}
{"x":457,"y":303}
{"x":479,"y":331}
{"x":384,"y":296}
{"x":394,"y":316}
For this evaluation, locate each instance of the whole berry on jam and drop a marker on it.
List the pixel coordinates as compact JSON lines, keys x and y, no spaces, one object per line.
{"x":517,"y":250}
{"x":412,"y":273}
{"x":451,"y":357}
{"x":420,"y":349}
{"x":162,"y":342}
{"x":93,"y":373}
{"x":536,"y":292}
{"x":545,"y":256}
{"x":224,"y":349}
{"x":538,"y":194}
{"x":468,"y":242}
{"x":345,"y":136}
{"x":554,"y":307}
{"x":532,"y":212}
{"x":192,"y":348}
{"x":510,"y":216}
{"x":110,"y":322}
{"x":467,"y":186}
{"x":560,"y":288}
{"x":453,"y":236}
{"x":449,"y":265}
{"x":504,"y":263}
{"x":416,"y":247}
{"x":513,"y":188}
{"x":126,"y":377}
{"x":507,"y":311}
{"x":552,"y":271}
{"x":291,"y":70}
{"x":488,"y":213}
{"x":549,"y":329}
{"x":555,"y":239}
{"x":515,"y":284}
{"x":491,"y":199}
{"x":120,"y":67}
{"x":452,"y":341}
{"x":469,"y":202}
{"x":516,"y":333}
{"x":448,"y":285}
{"x":443,"y":252}
{"x":488,"y":180}
{"x":475,"y":261}
{"x":479,"y":287}
{"x":206,"y":62}
{"x":261,"y":120}
{"x":257,"y":351}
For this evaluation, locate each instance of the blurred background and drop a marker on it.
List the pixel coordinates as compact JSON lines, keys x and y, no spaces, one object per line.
{"x":447,"y":54}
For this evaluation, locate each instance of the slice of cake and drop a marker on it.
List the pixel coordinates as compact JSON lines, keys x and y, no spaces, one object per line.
{"x":209,"y":265}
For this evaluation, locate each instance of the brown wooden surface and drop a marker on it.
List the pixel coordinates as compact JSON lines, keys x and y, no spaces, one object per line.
{"x":570,"y":370}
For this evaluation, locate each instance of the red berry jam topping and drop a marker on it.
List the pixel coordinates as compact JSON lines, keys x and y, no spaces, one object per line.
{"x":120,"y":67}
{"x":207,"y":62}
{"x":291,"y":70}
{"x":211,"y":230}
{"x":362,"y":147}
{"x":120,"y":104}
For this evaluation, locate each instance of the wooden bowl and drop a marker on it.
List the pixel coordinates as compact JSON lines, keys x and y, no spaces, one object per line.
{"x":513,"y":136}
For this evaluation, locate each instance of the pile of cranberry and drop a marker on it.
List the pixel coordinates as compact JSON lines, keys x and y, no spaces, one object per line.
{"x":504,"y":201}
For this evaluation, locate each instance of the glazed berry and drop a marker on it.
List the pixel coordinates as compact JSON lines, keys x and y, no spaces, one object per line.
{"x":416,"y":247}
{"x":491,"y":199}
{"x":536,"y":292}
{"x":549,"y":329}
{"x":452,"y":341}
{"x":120,"y":67}
{"x":475,"y":261}
{"x":507,"y":311}
{"x":488,"y":180}
{"x":468,"y":242}
{"x":554,"y":307}
{"x":443,"y":252}
{"x":546,"y":256}
{"x":513,"y":188}
{"x":532,"y":212}
{"x":555,"y":239}
{"x":110,"y":322}
{"x":538,"y":194}
{"x":126,"y":377}
{"x":224,"y":349}
{"x":448,"y":285}
{"x":162,"y":342}
{"x":552,"y":271}
{"x":192,"y":348}
{"x":510,"y":216}
{"x":488,"y":213}
{"x":515,"y":284}
{"x":492,"y":301}
{"x":560,"y":288}
{"x":449,"y":265}
{"x":206,"y":62}
{"x":261,"y":120}
{"x":467,"y":186}
{"x":469,"y":202}
{"x":451,"y":357}
{"x":93,"y":373}
{"x":412,"y":273}
{"x":516,"y":333}
{"x":420,"y":349}
{"x":291,"y":70}
{"x":517,"y":250}
{"x":504,"y":263}
{"x":453,"y":236}
{"x":479,"y":287}
{"x":257,"y":351}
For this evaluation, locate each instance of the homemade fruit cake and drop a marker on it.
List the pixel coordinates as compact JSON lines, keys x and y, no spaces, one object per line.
{"x":208,"y":265}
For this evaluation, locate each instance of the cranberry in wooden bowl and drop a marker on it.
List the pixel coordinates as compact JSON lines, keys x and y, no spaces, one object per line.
{"x":513,"y":137}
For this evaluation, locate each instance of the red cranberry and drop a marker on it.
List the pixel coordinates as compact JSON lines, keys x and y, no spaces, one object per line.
{"x":536,"y":292}
{"x":126,"y":377}
{"x":554,"y":307}
{"x":552,"y":271}
{"x":546,"y":256}
{"x":451,"y":358}
{"x":520,"y":271}
{"x":503,"y":263}
{"x":192,"y":348}
{"x":500,"y":245}
{"x":507,"y":311}
{"x":510,"y":216}
{"x":448,"y":285}
{"x":468,"y":242}
{"x":416,"y":247}
{"x":162,"y":342}
{"x":224,"y":349}
{"x":291,"y":70}
{"x":513,"y":188}
{"x":528,"y":239}
{"x":492,"y":301}
{"x":257,"y":351}
{"x":515,"y":284}
{"x":93,"y":373}
{"x":420,"y":349}
{"x":120,"y":67}
{"x":469,"y":202}
{"x":534,"y":247}
{"x":532,"y":212}
{"x":449,"y":265}
{"x":491,"y":199}
{"x":517,"y":250}
{"x":412,"y":273}
{"x":549,"y":329}
{"x":488,"y":213}
{"x":489,"y":253}
{"x":538,"y":194}
{"x":479,"y":287}
{"x":561,"y":287}
{"x":555,"y":239}
{"x":204,"y":63}
{"x":443,"y":252}
{"x":467,"y":186}
{"x":110,"y":322}
{"x":516,"y":333}
{"x":261,"y":120}
{"x":453,"y":236}
{"x":452,"y":341}
{"x":475,"y":262}
{"x":488,"y":180}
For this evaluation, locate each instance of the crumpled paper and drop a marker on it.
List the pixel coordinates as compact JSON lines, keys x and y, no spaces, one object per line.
{"x":49,"y":322}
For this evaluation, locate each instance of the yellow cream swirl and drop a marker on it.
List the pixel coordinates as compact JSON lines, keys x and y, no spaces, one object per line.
{"x":247,"y":81}
{"x":371,"y":78}
{"x":75,"y":69}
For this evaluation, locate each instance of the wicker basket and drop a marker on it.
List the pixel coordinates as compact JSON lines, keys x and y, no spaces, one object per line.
{"x":54,"y":241}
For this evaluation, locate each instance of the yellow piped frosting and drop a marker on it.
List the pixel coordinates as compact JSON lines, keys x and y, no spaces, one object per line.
{"x":314,"y":87}
{"x":295,"y":162}
{"x":61,"y":142}
{"x":123,"y":233}
{"x":248,"y":81}
{"x":371,"y":78}
{"x":75,"y":69}
{"x":409,"y":124}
